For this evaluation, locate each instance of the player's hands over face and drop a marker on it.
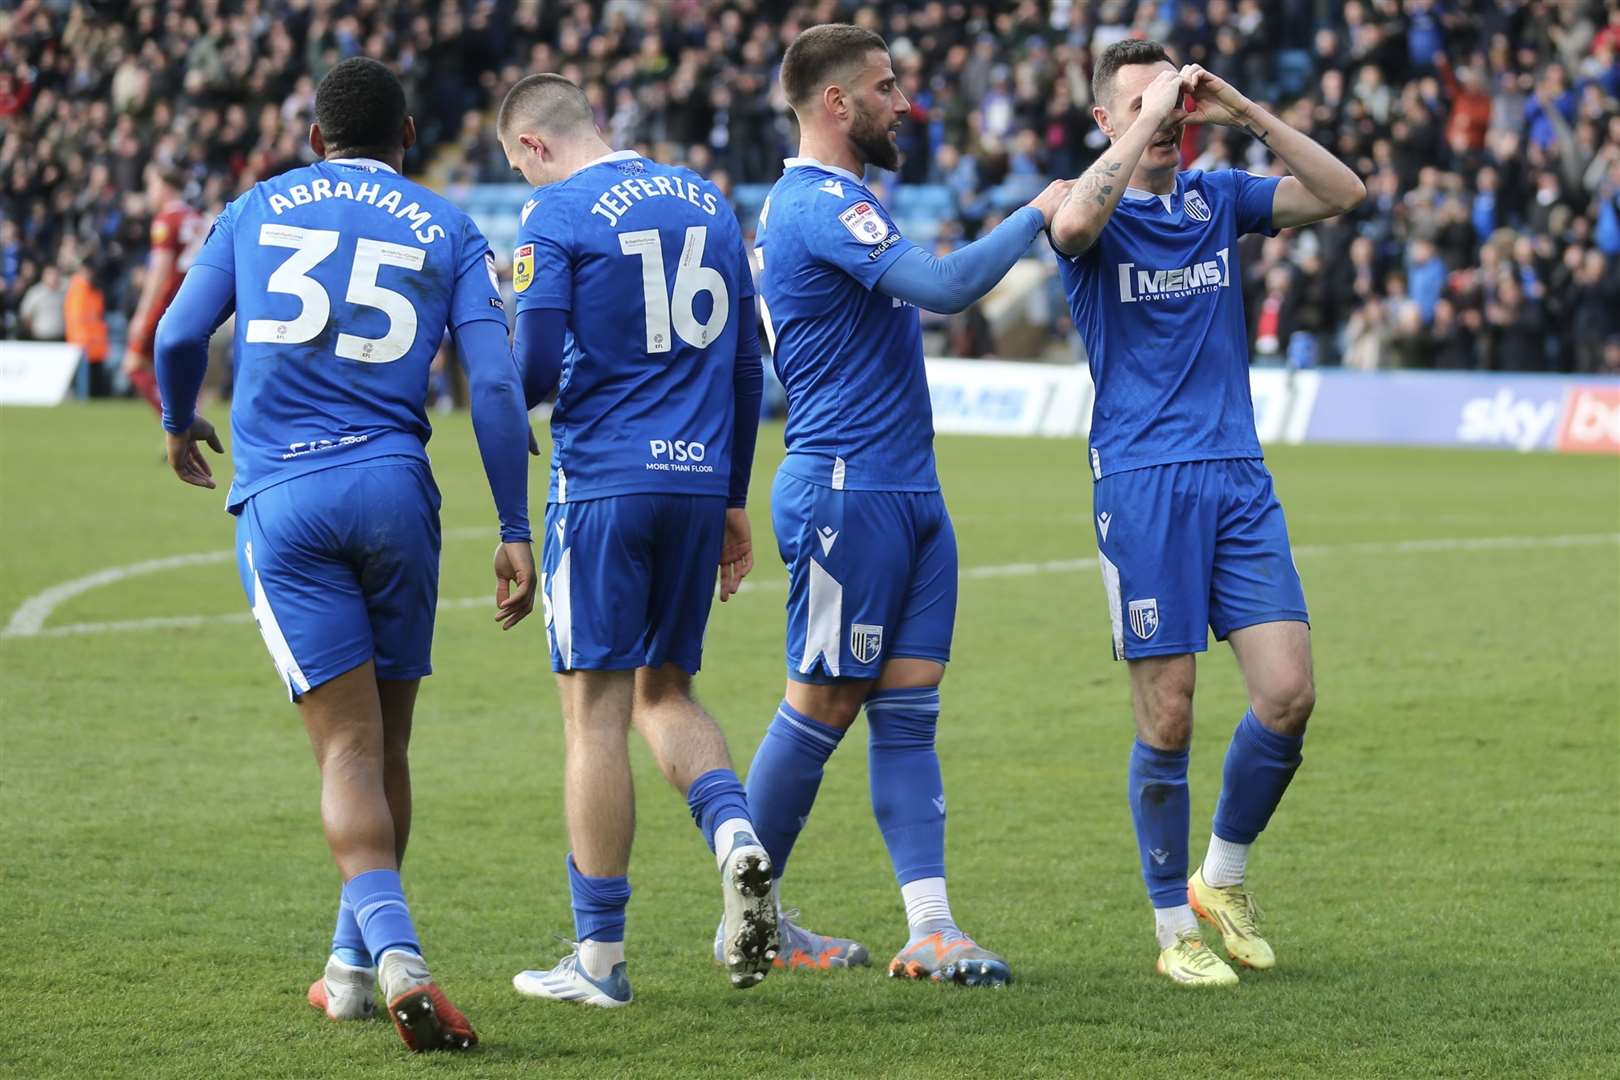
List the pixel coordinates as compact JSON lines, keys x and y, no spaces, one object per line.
{"x":1215,"y":101}
{"x":514,"y":583}
{"x":1161,"y":101}
{"x":1048,"y":201}
{"x":736,"y":554}
{"x":186,"y":457}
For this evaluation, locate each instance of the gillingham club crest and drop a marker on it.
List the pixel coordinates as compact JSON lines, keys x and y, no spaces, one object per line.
{"x":1145,"y":617}
{"x":865,"y":642}
{"x":1194,"y":204}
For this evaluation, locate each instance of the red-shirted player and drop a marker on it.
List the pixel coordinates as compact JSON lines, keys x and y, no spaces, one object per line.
{"x":177,"y":230}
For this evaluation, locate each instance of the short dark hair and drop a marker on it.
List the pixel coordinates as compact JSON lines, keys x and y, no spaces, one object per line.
{"x":547,"y":101}
{"x":1120,"y":54}
{"x":360,"y":106}
{"x":822,"y":53}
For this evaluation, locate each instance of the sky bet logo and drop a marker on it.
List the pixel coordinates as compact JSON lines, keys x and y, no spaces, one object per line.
{"x":1199,"y":277}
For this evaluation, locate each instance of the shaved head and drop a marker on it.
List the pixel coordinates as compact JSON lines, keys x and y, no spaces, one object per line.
{"x":549,"y":104}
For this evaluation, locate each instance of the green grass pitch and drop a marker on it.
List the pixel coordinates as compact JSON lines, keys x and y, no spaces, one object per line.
{"x":1439,"y":883}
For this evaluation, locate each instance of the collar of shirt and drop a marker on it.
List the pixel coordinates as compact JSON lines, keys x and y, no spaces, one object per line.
{"x":362,"y":162}
{"x":617,"y":155}
{"x":812,"y":163}
{"x":1143,"y":195}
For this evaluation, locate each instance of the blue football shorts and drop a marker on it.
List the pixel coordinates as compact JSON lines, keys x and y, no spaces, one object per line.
{"x":871,"y":575}
{"x":628,"y":580}
{"x":1192,"y":547}
{"x":341,"y":566}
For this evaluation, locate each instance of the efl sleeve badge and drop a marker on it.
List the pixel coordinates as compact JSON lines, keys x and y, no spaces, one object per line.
{"x":864,"y":223}
{"x":522,"y":267}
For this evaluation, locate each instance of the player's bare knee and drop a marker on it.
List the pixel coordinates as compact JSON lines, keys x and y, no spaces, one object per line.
{"x":1166,"y":722}
{"x":835,"y":704}
{"x":1286,"y":706}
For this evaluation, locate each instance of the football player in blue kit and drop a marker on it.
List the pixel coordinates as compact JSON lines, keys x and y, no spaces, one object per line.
{"x":858,"y":514}
{"x":343,"y":276}
{"x":1190,"y":534}
{"x":633,"y":289}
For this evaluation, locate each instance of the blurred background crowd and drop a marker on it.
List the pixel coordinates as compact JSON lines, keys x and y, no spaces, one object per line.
{"x":1488,"y":132}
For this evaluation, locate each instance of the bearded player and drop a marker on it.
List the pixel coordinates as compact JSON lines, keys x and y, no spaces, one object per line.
{"x":858,"y":514}
{"x":1190,"y":533}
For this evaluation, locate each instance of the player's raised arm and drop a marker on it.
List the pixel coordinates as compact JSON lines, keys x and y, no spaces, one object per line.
{"x":1322,"y":186}
{"x":950,"y":284}
{"x":1133,"y":122}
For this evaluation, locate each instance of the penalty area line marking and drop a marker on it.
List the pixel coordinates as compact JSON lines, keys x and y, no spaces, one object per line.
{"x":29,"y":619}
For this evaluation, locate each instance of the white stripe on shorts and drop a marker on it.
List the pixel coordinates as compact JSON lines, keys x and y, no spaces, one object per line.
{"x":274,"y":639}
{"x":562,"y":609}
{"x":824,"y":628}
{"x":1116,"y":619}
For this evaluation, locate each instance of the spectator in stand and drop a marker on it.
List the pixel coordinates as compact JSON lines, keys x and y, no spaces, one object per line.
{"x":1463,"y":119}
{"x":40,"y":312}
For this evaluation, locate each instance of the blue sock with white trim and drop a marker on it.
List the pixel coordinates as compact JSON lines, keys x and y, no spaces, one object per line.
{"x":908,"y":796}
{"x":784,"y":779}
{"x":715,"y":797}
{"x":1161,"y":809}
{"x":348,"y":944}
{"x":378,"y":901}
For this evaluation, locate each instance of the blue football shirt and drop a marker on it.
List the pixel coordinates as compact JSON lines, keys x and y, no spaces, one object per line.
{"x":648,"y":261}
{"x":1158,"y":300}
{"x":849,"y":357}
{"x":347,"y":276}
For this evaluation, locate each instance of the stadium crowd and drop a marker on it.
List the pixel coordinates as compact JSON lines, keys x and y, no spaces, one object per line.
{"x":1488,"y":132}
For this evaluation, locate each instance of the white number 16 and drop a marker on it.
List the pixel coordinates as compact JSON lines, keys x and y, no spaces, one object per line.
{"x":691,"y":278}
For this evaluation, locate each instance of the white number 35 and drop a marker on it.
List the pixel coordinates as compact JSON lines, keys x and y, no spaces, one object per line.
{"x":310,"y":246}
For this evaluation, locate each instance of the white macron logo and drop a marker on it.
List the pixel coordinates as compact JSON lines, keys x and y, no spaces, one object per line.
{"x":1104,"y":520}
{"x":833,"y":187}
{"x":528,"y":208}
{"x":1159,"y":855}
{"x":939,"y":803}
{"x":828,"y":538}
{"x":1190,"y":280}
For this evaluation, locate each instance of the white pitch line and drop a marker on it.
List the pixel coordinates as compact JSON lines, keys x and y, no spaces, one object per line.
{"x":29,"y":619}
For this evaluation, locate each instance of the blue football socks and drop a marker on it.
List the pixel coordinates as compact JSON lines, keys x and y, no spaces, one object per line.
{"x":1161,"y":809}
{"x":1259,"y":765}
{"x":348,"y":944}
{"x":784,"y":779}
{"x":599,"y":904}
{"x":908,"y":797}
{"x":714,"y":797}
{"x":377,"y":900}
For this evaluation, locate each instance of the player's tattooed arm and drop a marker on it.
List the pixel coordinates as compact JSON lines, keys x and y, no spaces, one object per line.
{"x":1094,"y":196}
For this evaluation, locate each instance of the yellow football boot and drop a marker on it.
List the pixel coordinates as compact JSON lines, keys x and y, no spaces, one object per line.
{"x":1233,"y":912}
{"x":1192,"y":963}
